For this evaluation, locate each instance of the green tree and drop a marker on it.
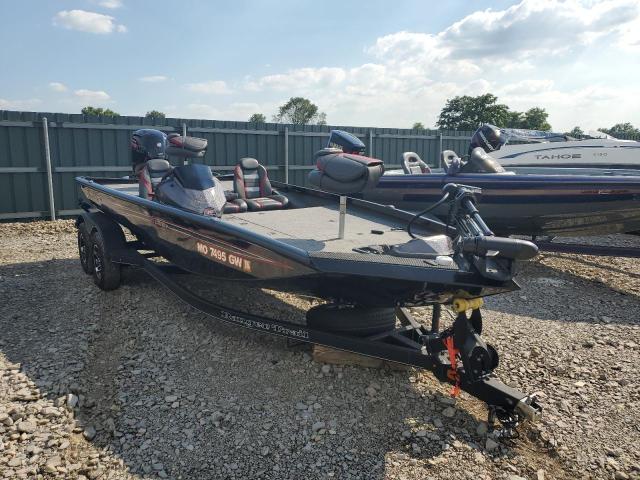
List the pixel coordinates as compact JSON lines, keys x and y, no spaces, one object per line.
{"x":99,"y":111}
{"x":621,"y":129}
{"x":468,"y":113}
{"x":257,"y":118}
{"x":155,"y":114}
{"x":535,"y":119}
{"x":322,"y":119}
{"x":418,"y":126}
{"x":514,"y":120}
{"x":299,"y":111}
{"x":575,"y":132}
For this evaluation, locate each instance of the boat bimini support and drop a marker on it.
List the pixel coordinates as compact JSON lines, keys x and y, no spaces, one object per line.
{"x":457,"y":355}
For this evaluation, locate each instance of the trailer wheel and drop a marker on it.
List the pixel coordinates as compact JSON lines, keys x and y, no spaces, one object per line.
{"x":106,"y":274}
{"x":84,"y":248}
{"x":351,"y":319}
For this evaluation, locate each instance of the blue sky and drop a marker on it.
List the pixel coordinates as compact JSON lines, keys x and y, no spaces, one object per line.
{"x":369,"y":63}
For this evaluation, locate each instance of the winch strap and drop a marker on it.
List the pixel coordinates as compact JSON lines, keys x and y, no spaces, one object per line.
{"x":453,"y":374}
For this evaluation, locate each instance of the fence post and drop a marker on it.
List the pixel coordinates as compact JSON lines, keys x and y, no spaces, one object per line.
{"x":286,"y":154}
{"x":370,"y":143}
{"x":439,"y":135}
{"x":184,"y":134}
{"x":47,"y":161}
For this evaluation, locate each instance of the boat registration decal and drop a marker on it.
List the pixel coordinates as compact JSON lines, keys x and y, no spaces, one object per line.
{"x":222,"y":256}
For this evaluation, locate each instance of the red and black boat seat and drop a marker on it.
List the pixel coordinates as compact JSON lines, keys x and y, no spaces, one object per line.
{"x":251,"y":183}
{"x":413,"y":164}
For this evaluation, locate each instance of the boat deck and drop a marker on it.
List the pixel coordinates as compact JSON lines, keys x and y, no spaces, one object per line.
{"x":314,"y":227}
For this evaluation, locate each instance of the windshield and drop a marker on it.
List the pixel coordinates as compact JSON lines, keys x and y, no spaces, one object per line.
{"x":524,"y":135}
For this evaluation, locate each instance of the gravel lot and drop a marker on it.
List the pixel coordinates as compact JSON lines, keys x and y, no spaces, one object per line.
{"x":134,"y":384}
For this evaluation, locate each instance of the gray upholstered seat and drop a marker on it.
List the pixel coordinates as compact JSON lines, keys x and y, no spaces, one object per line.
{"x":150,"y":175}
{"x":413,"y":164}
{"x":344,"y":173}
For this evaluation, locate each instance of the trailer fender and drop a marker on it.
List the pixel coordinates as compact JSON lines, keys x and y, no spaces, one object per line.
{"x":110,"y":231}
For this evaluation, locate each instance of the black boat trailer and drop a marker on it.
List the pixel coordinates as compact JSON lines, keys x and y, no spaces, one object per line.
{"x":457,"y":355}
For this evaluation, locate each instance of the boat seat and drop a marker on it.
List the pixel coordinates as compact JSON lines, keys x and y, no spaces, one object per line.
{"x":344,"y":173}
{"x":413,"y":164}
{"x":150,"y":175}
{"x":234,"y":203}
{"x":251,"y":183}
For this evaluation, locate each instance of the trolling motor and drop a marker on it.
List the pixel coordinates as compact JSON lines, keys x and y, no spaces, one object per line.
{"x":470,"y":361}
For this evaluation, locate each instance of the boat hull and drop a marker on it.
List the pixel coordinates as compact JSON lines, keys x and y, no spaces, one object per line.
{"x":218,"y":249}
{"x":590,"y":153}
{"x":558,"y":205}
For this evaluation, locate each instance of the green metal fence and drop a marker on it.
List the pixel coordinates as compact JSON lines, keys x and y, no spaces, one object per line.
{"x":99,"y":146}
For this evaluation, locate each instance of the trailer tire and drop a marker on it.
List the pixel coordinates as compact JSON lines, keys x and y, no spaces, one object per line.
{"x":84,"y":248}
{"x":106,"y":274}
{"x":351,"y":320}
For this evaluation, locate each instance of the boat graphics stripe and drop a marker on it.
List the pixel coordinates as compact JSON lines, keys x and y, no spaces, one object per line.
{"x":514,"y":155}
{"x":162,"y":223}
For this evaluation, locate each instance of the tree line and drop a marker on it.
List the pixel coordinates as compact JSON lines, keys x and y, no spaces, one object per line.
{"x":459,"y":113}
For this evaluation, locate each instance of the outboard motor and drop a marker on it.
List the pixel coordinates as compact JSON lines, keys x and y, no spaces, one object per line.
{"x":148,"y":158}
{"x":346,"y":142}
{"x":487,"y":137}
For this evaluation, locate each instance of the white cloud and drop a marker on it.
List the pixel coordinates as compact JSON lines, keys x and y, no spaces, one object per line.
{"x":27,"y":104}
{"x":240,"y":111}
{"x":58,"y":87}
{"x":536,"y":27}
{"x":518,"y":53}
{"x":90,"y":22}
{"x":300,"y":78}
{"x":153,"y":79}
{"x":92,"y":95}
{"x":212,"y":87}
{"x":528,"y":87}
{"x":112,"y":4}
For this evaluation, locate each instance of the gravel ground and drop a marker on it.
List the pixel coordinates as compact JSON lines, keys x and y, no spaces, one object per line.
{"x":134,"y":384}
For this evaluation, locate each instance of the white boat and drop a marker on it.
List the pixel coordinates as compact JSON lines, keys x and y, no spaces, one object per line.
{"x":556,"y":150}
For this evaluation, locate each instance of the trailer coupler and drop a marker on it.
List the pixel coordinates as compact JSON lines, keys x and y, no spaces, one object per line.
{"x":467,"y":362}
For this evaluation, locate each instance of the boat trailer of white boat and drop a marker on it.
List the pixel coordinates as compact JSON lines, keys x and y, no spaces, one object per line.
{"x":457,"y":355}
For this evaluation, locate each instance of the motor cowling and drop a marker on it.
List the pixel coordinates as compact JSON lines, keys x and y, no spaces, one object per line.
{"x":488,"y":137}
{"x":147,"y":144}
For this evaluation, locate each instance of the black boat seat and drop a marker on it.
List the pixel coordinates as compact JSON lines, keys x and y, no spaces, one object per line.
{"x":150,"y":175}
{"x":251,"y":183}
{"x":344,"y":173}
{"x":481,"y":162}
{"x":413,"y":164}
